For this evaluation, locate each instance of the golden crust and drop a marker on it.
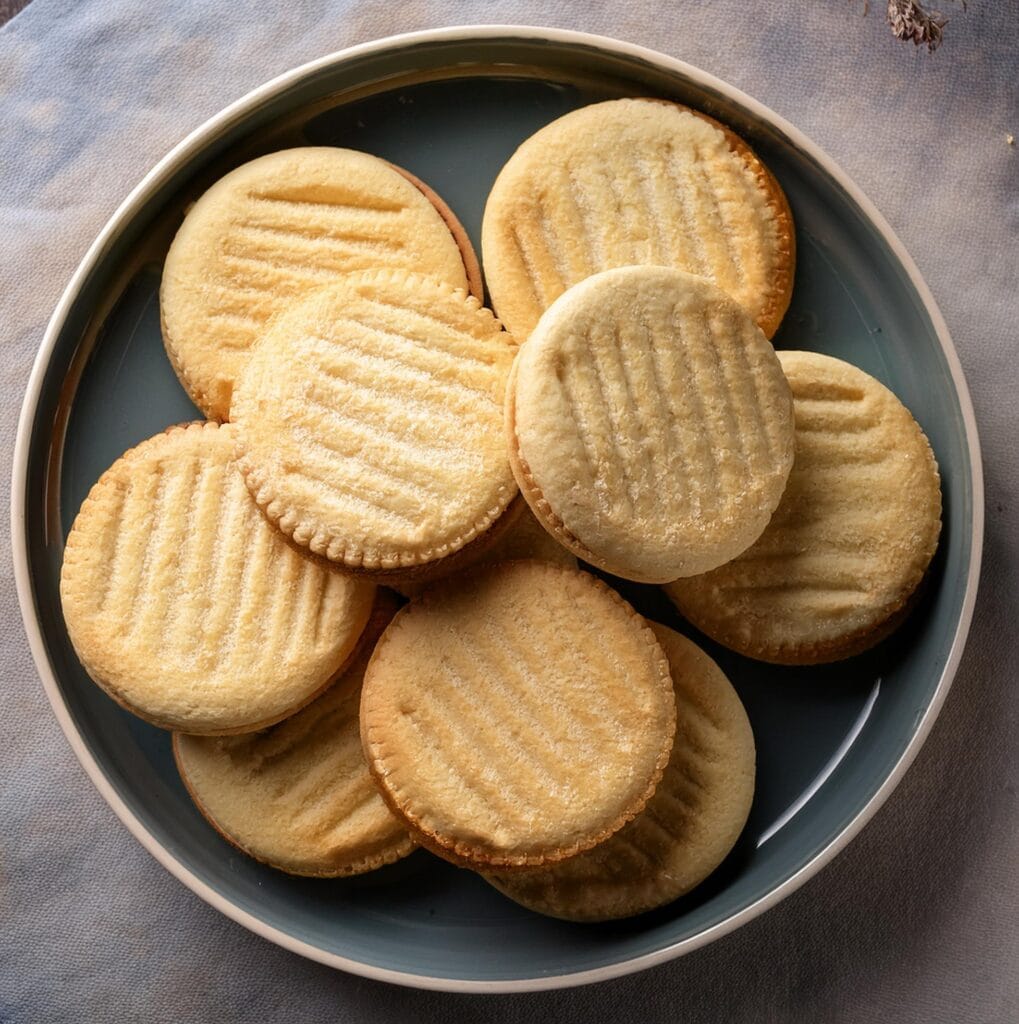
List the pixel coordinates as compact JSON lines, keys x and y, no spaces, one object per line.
{"x":517,"y":716}
{"x":280,"y":227}
{"x":636,"y":181}
{"x":186,"y":607}
{"x":838,"y":567}
{"x":687,"y":828}
{"x":298,"y":796}
{"x":369,"y":421}
{"x":649,"y":424}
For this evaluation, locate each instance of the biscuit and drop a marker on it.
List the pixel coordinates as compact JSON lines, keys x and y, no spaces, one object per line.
{"x":277,"y":228}
{"x":849,"y":544}
{"x":649,"y":424}
{"x":186,"y":607}
{"x":369,"y":421}
{"x":687,"y":828}
{"x":299,"y":796}
{"x":628,"y":182}
{"x":518,"y":715}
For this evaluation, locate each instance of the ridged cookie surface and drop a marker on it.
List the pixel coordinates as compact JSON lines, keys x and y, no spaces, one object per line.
{"x":298,"y":795}
{"x":635,"y":181}
{"x":186,"y":606}
{"x":852,"y":538}
{"x":369,"y":421}
{"x":274,"y":230}
{"x":688,"y":826}
{"x":517,"y":716}
{"x":649,"y":423}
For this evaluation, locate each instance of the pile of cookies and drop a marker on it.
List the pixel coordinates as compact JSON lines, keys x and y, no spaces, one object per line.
{"x":353,"y":591}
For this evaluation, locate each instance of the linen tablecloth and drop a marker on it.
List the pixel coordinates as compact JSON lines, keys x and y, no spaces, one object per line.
{"x":918,"y":921}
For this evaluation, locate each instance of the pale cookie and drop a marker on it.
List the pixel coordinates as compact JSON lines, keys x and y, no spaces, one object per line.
{"x":274,"y":230}
{"x":687,"y":828}
{"x":649,"y":424}
{"x":369,"y":421}
{"x":189,"y":609}
{"x":517,"y":716}
{"x":526,"y":538}
{"x":628,"y":182}
{"x":298,"y":796}
{"x":857,"y":527}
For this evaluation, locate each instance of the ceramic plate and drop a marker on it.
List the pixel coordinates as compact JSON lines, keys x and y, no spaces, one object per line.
{"x":451,"y":106}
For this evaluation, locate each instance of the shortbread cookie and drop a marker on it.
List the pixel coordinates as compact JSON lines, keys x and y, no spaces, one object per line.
{"x":274,"y":230}
{"x":526,"y":538}
{"x":299,"y":795}
{"x":518,"y":715}
{"x":189,"y":609}
{"x":687,"y":828}
{"x":635,"y":181}
{"x":649,"y":423}
{"x":849,"y":544}
{"x":369,"y":421}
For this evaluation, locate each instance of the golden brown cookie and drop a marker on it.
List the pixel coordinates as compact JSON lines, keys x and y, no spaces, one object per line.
{"x":687,"y":828}
{"x":369,"y":421}
{"x":851,"y":540}
{"x":518,"y":715}
{"x":299,"y":795}
{"x":186,"y":607}
{"x":628,"y":182}
{"x":274,"y":230}
{"x":649,"y":424}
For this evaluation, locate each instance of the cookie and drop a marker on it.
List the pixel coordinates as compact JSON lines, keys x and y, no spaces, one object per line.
{"x":299,"y":796}
{"x":630,"y":182}
{"x":276,"y":229}
{"x":687,"y":828}
{"x":849,"y":544}
{"x":517,"y":716}
{"x":649,"y":424}
{"x":189,"y":609}
{"x":369,"y":421}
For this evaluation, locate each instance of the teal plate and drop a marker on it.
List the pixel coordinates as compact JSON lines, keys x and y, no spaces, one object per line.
{"x":451,"y":106}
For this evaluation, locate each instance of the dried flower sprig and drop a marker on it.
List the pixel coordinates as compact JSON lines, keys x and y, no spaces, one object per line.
{"x":910,"y":21}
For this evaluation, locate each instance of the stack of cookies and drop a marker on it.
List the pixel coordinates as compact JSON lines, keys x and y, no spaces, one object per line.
{"x":353,"y":591}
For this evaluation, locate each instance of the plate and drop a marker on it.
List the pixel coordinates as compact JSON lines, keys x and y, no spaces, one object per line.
{"x":451,"y":106}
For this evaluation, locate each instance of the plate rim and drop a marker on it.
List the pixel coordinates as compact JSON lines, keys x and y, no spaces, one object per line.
{"x":136,"y":200}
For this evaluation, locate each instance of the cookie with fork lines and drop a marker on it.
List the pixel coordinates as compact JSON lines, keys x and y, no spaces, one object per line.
{"x":649,"y":424}
{"x":274,"y":230}
{"x":636,"y":182}
{"x":369,"y":421}
{"x":186,"y":606}
{"x":518,"y":715}
{"x":687,"y":828}
{"x":838,"y":566}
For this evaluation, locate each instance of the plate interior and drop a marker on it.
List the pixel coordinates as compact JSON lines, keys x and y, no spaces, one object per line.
{"x":827,"y":737}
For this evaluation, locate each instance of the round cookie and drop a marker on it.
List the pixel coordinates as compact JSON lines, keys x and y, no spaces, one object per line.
{"x":299,"y":796}
{"x":849,"y":544}
{"x":276,"y":229}
{"x":649,"y":424}
{"x":186,"y":607}
{"x":629,"y":182}
{"x":369,"y":421}
{"x":517,"y":716}
{"x":687,"y":828}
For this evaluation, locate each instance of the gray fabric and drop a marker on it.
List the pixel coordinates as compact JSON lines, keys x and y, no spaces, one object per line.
{"x":917,"y":920}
